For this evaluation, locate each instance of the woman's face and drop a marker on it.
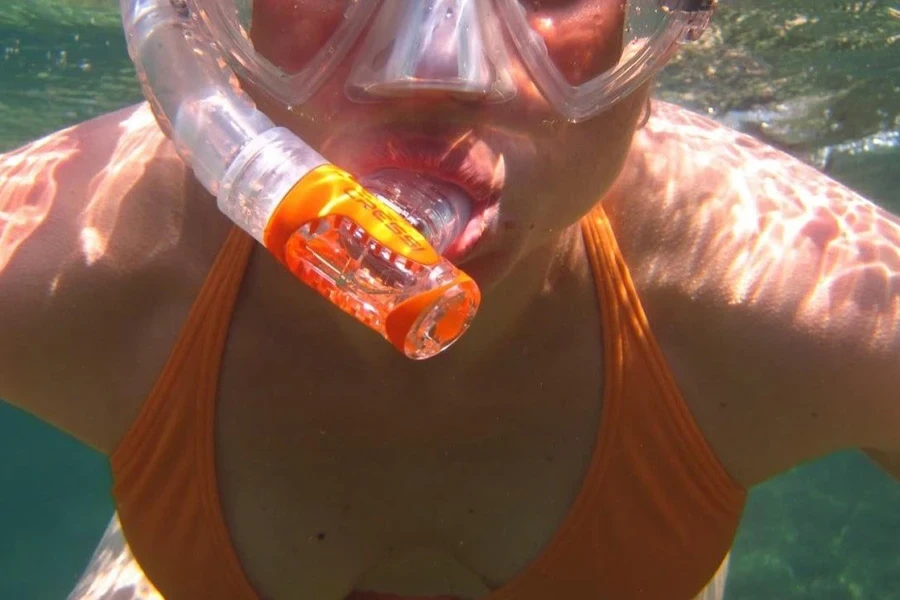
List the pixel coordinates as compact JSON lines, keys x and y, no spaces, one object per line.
{"x":530,"y":173}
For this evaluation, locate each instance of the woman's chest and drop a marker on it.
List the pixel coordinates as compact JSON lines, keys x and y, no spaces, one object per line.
{"x":329,"y":483}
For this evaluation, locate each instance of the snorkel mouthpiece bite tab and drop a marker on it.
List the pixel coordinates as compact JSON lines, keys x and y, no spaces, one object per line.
{"x":357,"y":251}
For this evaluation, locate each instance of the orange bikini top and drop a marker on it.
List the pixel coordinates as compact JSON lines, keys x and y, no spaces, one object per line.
{"x":655,"y":517}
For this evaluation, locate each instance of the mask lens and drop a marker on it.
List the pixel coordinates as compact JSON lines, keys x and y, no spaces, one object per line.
{"x":292,"y":34}
{"x":283,"y":38}
{"x":583,"y":38}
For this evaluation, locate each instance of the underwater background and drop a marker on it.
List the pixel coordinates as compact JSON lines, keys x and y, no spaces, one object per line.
{"x":817,"y":78}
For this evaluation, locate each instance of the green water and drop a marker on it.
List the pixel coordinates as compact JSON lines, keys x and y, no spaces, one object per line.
{"x":819,"y":78}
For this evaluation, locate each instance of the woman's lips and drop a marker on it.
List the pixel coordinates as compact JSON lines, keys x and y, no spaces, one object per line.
{"x":457,"y":156}
{"x":479,"y":223}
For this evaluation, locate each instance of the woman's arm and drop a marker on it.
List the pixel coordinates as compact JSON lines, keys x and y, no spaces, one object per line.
{"x":88,"y":217}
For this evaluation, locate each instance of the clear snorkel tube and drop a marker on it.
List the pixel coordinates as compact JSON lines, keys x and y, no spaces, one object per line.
{"x":357,"y":248}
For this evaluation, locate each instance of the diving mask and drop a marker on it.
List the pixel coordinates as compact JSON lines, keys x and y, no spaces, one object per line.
{"x":471,"y":48}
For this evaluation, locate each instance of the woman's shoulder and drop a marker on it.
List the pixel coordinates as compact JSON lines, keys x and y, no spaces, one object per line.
{"x":717,"y":214}
{"x":78,"y":187}
{"x":92,"y":252}
{"x":760,"y":275}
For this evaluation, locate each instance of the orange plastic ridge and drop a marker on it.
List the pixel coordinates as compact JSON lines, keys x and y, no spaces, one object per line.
{"x":328,"y":190}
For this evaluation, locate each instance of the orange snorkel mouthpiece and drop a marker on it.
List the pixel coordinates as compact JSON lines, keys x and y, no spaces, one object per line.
{"x":368,"y":260}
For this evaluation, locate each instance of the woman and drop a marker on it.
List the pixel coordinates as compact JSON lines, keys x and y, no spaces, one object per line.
{"x":263,"y":445}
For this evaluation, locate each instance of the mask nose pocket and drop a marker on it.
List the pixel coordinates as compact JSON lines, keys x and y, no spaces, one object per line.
{"x":432,"y":46}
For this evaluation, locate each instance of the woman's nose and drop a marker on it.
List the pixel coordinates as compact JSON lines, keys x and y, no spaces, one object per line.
{"x":430,"y":47}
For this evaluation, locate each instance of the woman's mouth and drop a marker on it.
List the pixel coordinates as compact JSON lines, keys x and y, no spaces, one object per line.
{"x":453,"y":155}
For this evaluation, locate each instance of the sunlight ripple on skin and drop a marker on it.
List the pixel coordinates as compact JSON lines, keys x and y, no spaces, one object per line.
{"x":24,"y":203}
{"x":139,"y":138}
{"x":767,"y":227}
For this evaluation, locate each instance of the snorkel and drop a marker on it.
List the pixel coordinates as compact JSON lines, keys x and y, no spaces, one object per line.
{"x":374,"y":253}
{"x":373,"y":247}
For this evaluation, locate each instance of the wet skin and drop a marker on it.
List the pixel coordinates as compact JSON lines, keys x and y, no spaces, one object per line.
{"x":772,"y":290}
